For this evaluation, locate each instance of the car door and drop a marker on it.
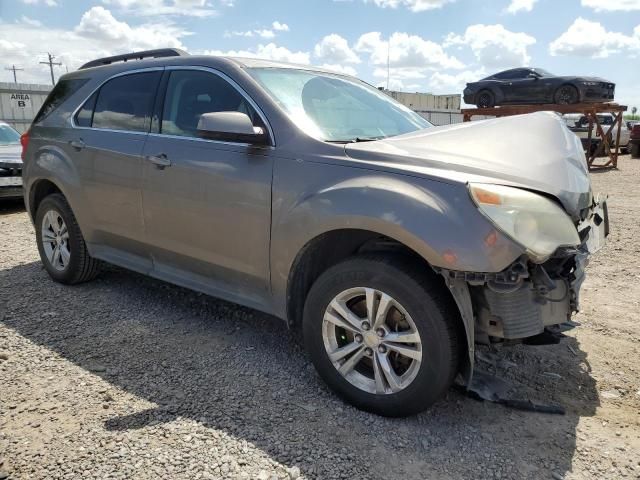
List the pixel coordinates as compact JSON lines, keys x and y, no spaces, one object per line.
{"x":528,"y":87}
{"x":109,"y":135}
{"x":207,"y":203}
{"x":514,"y":86}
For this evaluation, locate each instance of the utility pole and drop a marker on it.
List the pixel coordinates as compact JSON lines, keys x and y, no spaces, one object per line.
{"x":51,"y":63}
{"x":14,"y":69}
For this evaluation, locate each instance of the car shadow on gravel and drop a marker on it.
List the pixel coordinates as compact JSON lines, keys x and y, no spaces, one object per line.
{"x":11,"y":205}
{"x":243,"y":372}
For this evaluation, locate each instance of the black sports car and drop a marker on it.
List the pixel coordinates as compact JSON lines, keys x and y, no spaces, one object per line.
{"x":535,"y":85}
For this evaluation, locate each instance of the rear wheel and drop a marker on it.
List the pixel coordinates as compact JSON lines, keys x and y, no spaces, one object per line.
{"x":60,"y":243}
{"x":381,"y":334}
{"x":486,"y":99}
{"x":566,"y":95}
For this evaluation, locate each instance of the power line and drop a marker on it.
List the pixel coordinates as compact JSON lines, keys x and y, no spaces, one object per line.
{"x":51,"y":63}
{"x":14,"y":69}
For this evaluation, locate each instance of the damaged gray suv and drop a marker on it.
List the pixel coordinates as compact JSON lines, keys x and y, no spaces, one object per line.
{"x":393,"y":245}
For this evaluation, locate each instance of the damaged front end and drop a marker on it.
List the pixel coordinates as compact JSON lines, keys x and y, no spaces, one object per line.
{"x":529,"y":302}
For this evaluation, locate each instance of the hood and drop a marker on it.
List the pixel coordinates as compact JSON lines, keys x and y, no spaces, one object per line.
{"x":535,"y":151}
{"x":10,"y":153}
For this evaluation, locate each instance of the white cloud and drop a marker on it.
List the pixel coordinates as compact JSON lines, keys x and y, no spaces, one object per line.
{"x":612,"y":5}
{"x":30,"y":21}
{"x":521,"y":6}
{"x":271,"y":51}
{"x":585,"y":38}
{"x":443,"y":83}
{"x":405,"y":51}
{"x":346,"y":69}
{"x":413,"y":5}
{"x":335,"y":50}
{"x":98,"y":34}
{"x":236,"y":33}
{"x":494,"y":46}
{"x":188,"y":8}
{"x":265,"y":33}
{"x":280,"y":27}
{"x":100,"y":25}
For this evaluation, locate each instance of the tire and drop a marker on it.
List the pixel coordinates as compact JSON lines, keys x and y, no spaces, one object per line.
{"x":426,"y":304}
{"x":566,"y":95}
{"x":485,"y":99}
{"x":76,"y":265}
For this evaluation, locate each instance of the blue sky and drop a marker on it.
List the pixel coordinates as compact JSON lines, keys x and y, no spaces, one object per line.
{"x":434,"y":45}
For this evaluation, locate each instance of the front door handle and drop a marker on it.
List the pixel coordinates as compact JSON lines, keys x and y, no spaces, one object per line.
{"x":77,"y":144}
{"x":160,"y":161}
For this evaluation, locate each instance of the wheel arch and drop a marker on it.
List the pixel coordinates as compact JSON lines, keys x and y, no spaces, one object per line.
{"x":572,"y":85}
{"x":38,"y":191}
{"x":330,"y":248}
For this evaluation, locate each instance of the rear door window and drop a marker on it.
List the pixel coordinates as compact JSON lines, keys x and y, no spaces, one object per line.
{"x":125,"y":103}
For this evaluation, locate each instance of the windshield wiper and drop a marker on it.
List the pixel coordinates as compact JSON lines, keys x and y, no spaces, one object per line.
{"x":357,"y":140}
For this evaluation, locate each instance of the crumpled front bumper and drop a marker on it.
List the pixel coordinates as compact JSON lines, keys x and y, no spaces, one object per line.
{"x":527,"y":298}
{"x":593,"y":231}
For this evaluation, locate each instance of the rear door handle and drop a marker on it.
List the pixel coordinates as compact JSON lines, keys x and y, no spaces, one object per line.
{"x":160,"y":161}
{"x":77,"y":144}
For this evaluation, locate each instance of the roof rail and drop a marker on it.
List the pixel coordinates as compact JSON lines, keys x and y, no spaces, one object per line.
{"x":158,"y":53}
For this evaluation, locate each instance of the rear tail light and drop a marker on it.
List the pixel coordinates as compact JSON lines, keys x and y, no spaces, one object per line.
{"x":24,"y":141}
{"x":635,"y":132}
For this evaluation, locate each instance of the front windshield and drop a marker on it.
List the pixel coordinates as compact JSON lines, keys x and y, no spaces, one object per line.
{"x":8,"y":136}
{"x":336,"y":108}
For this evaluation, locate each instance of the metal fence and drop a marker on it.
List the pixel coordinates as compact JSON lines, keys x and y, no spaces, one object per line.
{"x":441,"y":118}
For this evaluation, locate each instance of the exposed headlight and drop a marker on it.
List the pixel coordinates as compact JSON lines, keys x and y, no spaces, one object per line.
{"x":591,"y":84}
{"x":533,"y":221}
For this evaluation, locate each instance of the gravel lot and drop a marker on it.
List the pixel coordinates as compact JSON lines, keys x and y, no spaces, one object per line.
{"x":129,"y":377}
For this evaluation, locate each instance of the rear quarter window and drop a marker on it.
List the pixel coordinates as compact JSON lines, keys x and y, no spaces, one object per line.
{"x":60,"y":93}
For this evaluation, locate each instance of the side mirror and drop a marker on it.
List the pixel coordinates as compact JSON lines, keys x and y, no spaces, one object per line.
{"x":230,"y":127}
{"x":534,"y":76}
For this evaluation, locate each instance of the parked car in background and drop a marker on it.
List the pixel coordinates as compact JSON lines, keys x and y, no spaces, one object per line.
{"x":535,"y":85}
{"x":393,"y":245}
{"x":10,"y":162}
{"x":579,"y":124}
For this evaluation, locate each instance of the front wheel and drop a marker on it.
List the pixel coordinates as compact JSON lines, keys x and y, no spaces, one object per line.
{"x":566,"y":95}
{"x":382,"y":334}
{"x":60,"y":243}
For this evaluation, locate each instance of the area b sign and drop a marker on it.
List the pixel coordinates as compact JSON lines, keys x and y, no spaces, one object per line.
{"x":20,"y":100}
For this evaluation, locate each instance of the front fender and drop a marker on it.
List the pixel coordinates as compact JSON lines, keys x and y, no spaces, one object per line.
{"x":437,"y":220}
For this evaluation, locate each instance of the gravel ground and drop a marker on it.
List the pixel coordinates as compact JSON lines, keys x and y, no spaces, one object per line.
{"x":129,"y":377}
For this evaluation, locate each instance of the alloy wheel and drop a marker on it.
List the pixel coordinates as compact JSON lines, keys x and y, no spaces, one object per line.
{"x":566,"y":95}
{"x":55,"y":240}
{"x":371,"y":340}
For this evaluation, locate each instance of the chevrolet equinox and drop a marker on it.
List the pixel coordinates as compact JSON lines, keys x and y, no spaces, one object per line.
{"x":393,"y":245}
